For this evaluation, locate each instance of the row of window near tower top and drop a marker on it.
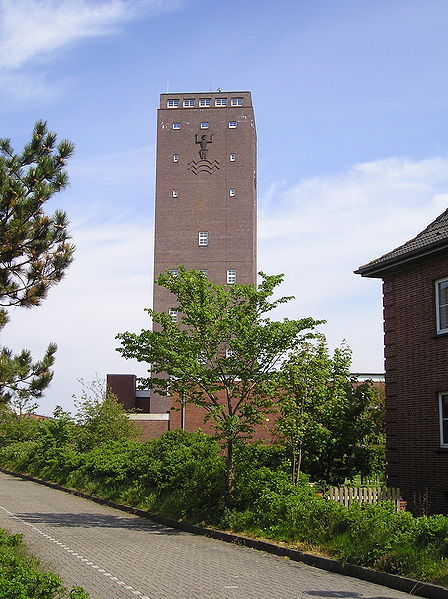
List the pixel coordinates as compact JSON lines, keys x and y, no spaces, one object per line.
{"x":203,"y":102}
{"x":232,"y":125}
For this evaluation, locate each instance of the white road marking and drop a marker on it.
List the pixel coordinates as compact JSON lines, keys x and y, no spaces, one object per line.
{"x":77,"y":555}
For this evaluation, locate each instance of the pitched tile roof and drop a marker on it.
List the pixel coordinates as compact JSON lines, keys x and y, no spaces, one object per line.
{"x":434,"y":237}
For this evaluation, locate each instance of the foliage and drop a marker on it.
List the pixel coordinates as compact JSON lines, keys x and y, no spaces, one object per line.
{"x":101,"y":418}
{"x":180,"y":474}
{"x":34,"y":248}
{"x":14,"y":428}
{"x":222,"y":353}
{"x":21,"y":576}
{"x":328,"y":420}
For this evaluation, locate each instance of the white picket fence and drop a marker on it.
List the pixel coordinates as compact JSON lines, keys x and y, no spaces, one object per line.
{"x":345,"y":495}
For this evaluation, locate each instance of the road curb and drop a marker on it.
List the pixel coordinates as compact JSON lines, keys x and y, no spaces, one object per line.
{"x":399,"y":583}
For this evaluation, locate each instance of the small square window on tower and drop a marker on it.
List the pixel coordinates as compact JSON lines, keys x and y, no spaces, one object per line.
{"x":173,"y":314}
{"x":203,"y":238}
{"x":172,"y":103}
{"x":175,"y":157}
{"x":236,"y":101}
{"x":204,"y":125}
{"x":232,"y":192}
{"x":220,"y":101}
{"x":233,"y":124}
{"x":232,"y":157}
{"x":204,"y":102}
{"x":177,"y":125}
{"x":175,"y":193}
{"x":231,"y":276}
{"x":189,"y":103}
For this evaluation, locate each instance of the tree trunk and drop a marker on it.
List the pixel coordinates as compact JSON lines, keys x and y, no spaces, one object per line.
{"x":230,"y":477}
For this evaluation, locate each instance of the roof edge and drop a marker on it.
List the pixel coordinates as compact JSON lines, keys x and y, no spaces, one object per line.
{"x":376,"y":270}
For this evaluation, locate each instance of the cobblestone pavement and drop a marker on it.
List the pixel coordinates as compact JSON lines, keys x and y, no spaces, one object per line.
{"x":115,"y":555}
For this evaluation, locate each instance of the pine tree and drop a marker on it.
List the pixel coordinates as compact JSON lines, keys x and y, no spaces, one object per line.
{"x":34,"y":247}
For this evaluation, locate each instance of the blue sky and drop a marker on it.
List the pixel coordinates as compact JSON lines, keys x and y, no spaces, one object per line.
{"x":350,"y":101}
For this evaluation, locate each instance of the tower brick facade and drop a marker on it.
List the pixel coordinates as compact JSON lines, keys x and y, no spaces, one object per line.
{"x":205,"y":209}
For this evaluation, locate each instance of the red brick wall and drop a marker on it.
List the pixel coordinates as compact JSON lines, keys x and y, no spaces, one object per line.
{"x":416,"y":362}
{"x":151,"y":428}
{"x":193,"y":420}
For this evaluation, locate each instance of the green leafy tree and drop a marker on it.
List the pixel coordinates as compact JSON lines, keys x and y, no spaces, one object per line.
{"x":101,"y":418}
{"x":304,"y":380}
{"x":326,"y":417}
{"x":221,"y":354}
{"x":34,"y":247}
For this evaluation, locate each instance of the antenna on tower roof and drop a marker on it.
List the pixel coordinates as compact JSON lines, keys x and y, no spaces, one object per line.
{"x":167,"y":87}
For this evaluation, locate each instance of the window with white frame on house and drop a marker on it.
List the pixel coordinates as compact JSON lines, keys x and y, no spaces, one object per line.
{"x":229,"y":352}
{"x":177,"y":125}
{"x":231,"y":276}
{"x":175,"y":157}
{"x":172,"y":103}
{"x":236,"y":101}
{"x":203,"y":238}
{"x":174,"y":272}
{"x":175,"y":193}
{"x":204,"y":125}
{"x":443,"y":419}
{"x":173,"y":314}
{"x":188,"y":103}
{"x":232,"y":192}
{"x":221,"y":102}
{"x":233,"y":124}
{"x":204,"y":102}
{"x":232,"y":157}
{"x":442,"y":305}
{"x":203,"y":271}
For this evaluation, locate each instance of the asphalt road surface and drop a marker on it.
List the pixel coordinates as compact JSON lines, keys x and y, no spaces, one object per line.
{"x":115,"y":555}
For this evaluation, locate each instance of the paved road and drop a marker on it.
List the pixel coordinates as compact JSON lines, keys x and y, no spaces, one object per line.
{"x":114,"y":555}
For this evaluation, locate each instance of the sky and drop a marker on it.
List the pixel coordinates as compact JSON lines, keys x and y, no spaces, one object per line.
{"x":350,"y":100}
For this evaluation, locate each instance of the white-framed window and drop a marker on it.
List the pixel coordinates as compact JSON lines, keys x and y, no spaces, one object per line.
{"x":174,"y":272}
{"x":233,"y":124}
{"x":173,"y":314}
{"x":203,"y":238}
{"x":236,"y":101}
{"x":231,"y":276}
{"x":204,"y":272}
{"x":177,"y":125}
{"x":175,"y":193}
{"x":232,"y":157}
{"x":175,"y":157}
{"x":204,"y":102}
{"x":188,"y":103}
{"x":220,"y":101}
{"x":172,"y":103}
{"x":442,"y":305}
{"x":232,"y":192}
{"x":443,"y":418}
{"x":229,"y":352}
{"x":204,"y":125}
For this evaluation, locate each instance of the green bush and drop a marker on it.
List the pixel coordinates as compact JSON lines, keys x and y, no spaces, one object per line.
{"x":21,"y":576}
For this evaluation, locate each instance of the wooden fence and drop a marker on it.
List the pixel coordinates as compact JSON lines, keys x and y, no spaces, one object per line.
{"x":345,"y":495}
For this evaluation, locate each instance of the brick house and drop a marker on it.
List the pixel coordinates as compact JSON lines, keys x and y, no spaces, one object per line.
{"x":415,"y":300}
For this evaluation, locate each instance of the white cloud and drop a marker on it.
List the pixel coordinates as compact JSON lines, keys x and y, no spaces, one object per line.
{"x":36,"y":28}
{"x":320,"y":230}
{"x":104,"y":293}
